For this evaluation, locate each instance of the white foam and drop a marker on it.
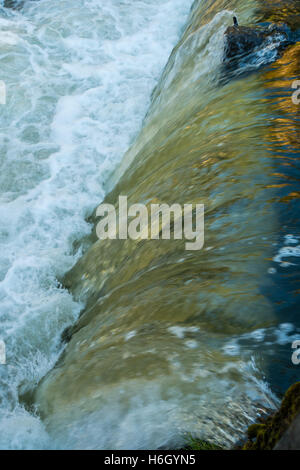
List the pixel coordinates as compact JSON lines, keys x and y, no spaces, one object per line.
{"x":289,"y":250}
{"x":180,"y":331}
{"x":264,"y":338}
{"x":78,"y":83}
{"x":130,"y":335}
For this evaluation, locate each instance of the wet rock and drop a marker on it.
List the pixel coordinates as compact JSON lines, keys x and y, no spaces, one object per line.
{"x":241,"y":40}
{"x":281,"y":430}
{"x":291,"y":439}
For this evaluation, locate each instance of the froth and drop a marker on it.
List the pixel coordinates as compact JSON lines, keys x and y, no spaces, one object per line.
{"x":79,"y":82}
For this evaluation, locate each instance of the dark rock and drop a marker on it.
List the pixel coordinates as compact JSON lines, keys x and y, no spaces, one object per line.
{"x":281,"y":429}
{"x":241,"y":40}
{"x":291,"y":439}
{"x":66,"y":335}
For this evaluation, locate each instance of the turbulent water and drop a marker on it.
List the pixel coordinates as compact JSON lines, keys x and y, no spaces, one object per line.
{"x":78,"y":76}
{"x":170,"y":342}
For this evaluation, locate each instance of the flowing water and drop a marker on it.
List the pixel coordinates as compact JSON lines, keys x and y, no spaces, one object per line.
{"x":78,"y":76}
{"x":169,"y":341}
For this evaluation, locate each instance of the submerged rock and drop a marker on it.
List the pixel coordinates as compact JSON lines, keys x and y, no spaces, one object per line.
{"x":241,"y":40}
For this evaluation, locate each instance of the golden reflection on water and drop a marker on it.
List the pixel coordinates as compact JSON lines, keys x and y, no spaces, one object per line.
{"x":285,"y":128}
{"x":280,"y":11}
